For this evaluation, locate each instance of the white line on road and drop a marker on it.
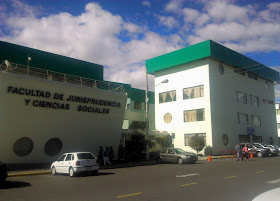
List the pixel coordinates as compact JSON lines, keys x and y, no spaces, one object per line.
{"x":273,"y":181}
{"x":188,"y":175}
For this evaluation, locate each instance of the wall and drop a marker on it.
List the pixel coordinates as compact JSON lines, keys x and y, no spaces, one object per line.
{"x":78,"y":131}
{"x":180,"y":77}
{"x":224,"y":106}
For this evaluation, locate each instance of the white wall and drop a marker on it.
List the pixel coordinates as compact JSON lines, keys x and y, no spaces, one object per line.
{"x":180,"y":77}
{"x":224,"y":106}
{"x":78,"y":131}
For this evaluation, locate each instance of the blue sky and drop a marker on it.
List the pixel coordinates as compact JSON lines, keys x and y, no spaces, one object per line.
{"x":122,"y":34}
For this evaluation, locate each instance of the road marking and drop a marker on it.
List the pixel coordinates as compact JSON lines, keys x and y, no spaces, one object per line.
{"x":259,"y":172}
{"x":122,"y":196}
{"x":229,"y":177}
{"x":273,"y":181}
{"x":188,"y":184}
{"x":187,"y":175}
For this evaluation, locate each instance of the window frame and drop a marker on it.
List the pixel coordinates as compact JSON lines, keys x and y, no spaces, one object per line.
{"x":203,"y":115}
{"x":238,"y":117}
{"x":186,"y":142}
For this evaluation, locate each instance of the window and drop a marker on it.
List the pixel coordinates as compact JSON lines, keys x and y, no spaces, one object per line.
{"x":62,"y":157}
{"x":167,"y":118}
{"x":252,"y":76}
{"x":278,"y":112}
{"x":85,"y":156}
{"x":23,"y":146}
{"x":194,"y":115}
{"x":242,"y":118}
{"x":268,"y":101}
{"x":193,"y":92}
{"x":278,"y":126}
{"x":189,"y":136}
{"x":240,"y":71}
{"x":69,"y":157}
{"x":254,"y":100}
{"x":225,"y":139}
{"x":257,"y":139}
{"x":244,"y":138}
{"x":53,"y":146}
{"x":137,"y":106}
{"x":166,"y":97}
{"x":241,"y":97}
{"x":256,"y":120}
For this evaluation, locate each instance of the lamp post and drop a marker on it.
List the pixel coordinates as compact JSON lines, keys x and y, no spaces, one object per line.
{"x":147,"y":116}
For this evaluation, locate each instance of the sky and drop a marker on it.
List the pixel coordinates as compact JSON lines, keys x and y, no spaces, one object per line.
{"x":122,"y":34}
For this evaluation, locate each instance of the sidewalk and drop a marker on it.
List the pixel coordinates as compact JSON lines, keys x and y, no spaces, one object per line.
{"x":122,"y":164}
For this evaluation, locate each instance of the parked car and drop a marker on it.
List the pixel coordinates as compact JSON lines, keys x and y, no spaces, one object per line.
{"x":177,"y":155}
{"x":272,"y":151}
{"x":276,"y":147}
{"x":255,"y":149}
{"x":3,"y":173}
{"x":72,"y":163}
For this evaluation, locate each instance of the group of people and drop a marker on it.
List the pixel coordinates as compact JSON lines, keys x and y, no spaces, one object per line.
{"x":242,"y":152}
{"x":106,"y":156}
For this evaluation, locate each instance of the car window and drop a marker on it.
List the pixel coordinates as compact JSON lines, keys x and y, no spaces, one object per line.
{"x":163,"y":151}
{"x":170,"y":151}
{"x":69,"y":157}
{"x":258,"y":146}
{"x":250,"y":146}
{"x":73,"y":157}
{"x":62,"y":158}
{"x":85,"y":156}
{"x":179,"y":151}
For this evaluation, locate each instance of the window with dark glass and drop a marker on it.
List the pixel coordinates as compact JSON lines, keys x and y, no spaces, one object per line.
{"x":194,"y":115}
{"x":256,"y":120}
{"x":244,"y":138}
{"x":242,"y":118}
{"x":137,"y":105}
{"x":189,"y":136}
{"x":166,"y":97}
{"x":193,"y":92}
{"x":254,"y":100}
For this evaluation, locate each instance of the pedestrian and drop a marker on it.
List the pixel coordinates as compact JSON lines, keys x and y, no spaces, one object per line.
{"x":106,"y":156}
{"x":245,"y":151}
{"x":112,"y":154}
{"x":239,"y":151}
{"x":100,"y":155}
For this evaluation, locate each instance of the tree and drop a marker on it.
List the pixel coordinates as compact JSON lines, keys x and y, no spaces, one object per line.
{"x":197,"y":143}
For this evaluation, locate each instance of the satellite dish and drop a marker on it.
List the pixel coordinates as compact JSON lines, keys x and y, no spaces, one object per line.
{"x":9,"y":66}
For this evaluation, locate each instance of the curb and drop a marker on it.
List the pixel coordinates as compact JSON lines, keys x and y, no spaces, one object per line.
{"x":16,"y":174}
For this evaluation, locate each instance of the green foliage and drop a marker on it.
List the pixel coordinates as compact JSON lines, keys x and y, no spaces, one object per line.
{"x":163,"y":142}
{"x":208,"y":150}
{"x":197,"y":143}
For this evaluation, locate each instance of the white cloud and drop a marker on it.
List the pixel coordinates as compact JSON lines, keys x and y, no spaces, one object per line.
{"x":146,"y":3}
{"x":174,"y":6}
{"x":170,"y":22}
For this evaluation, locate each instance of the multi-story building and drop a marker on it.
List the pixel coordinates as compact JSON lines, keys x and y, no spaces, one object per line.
{"x":216,"y":93}
{"x":277,"y":107}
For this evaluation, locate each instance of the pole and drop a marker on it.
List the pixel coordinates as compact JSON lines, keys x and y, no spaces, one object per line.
{"x":147,"y":119}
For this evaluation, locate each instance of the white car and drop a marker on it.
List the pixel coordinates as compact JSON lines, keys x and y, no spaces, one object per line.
{"x":72,"y":163}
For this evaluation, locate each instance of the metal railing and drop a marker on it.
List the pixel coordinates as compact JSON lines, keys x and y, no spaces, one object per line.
{"x":60,"y":77}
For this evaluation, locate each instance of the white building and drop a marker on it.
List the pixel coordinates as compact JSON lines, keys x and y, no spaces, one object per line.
{"x":216,"y":93}
{"x":277,"y":107}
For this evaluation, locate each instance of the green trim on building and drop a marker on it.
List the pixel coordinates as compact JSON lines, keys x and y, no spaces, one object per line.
{"x":215,"y":51}
{"x":49,"y":61}
{"x":138,"y":95}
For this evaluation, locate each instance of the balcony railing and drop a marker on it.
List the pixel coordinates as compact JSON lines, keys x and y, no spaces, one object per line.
{"x":60,"y":77}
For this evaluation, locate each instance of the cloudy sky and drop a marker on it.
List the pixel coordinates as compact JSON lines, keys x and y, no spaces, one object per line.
{"x":122,"y":34}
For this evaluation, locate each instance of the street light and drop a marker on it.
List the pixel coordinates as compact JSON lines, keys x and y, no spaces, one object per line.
{"x":147,"y":116}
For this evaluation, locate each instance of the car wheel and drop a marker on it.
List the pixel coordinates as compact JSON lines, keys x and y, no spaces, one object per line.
{"x":71,"y":172}
{"x":180,"y":161}
{"x":53,"y":171}
{"x":259,"y":154}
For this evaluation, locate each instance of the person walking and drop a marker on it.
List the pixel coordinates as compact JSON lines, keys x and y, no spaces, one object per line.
{"x":106,"y":156}
{"x":239,"y":152}
{"x":100,"y":155}
{"x":245,"y":151}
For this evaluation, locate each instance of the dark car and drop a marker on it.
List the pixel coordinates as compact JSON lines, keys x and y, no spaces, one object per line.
{"x":177,"y":155}
{"x":3,"y":173}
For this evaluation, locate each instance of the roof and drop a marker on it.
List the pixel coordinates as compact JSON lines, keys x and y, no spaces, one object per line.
{"x":49,"y":61}
{"x":213,"y":50}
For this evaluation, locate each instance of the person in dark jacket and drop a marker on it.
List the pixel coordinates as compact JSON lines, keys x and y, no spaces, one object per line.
{"x":106,"y":156}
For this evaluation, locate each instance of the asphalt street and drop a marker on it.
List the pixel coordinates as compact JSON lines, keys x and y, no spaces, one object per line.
{"x":220,"y":179}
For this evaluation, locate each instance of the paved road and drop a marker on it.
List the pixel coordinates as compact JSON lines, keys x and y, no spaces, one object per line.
{"x":221,"y":179}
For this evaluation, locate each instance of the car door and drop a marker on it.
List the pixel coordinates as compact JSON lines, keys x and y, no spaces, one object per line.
{"x":60,"y":163}
{"x":67,"y":163}
{"x":171,"y":156}
{"x":163,"y":155}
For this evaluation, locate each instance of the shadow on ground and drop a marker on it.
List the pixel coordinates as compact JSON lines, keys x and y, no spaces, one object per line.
{"x":14,"y":184}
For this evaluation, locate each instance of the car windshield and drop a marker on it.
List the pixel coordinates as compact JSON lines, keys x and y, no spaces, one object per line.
{"x":258,"y":146}
{"x":179,"y":151}
{"x":265,"y":145}
{"x":85,"y":156}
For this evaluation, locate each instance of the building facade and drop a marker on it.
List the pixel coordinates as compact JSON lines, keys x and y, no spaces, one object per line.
{"x":277,"y":107}
{"x":215,"y":93}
